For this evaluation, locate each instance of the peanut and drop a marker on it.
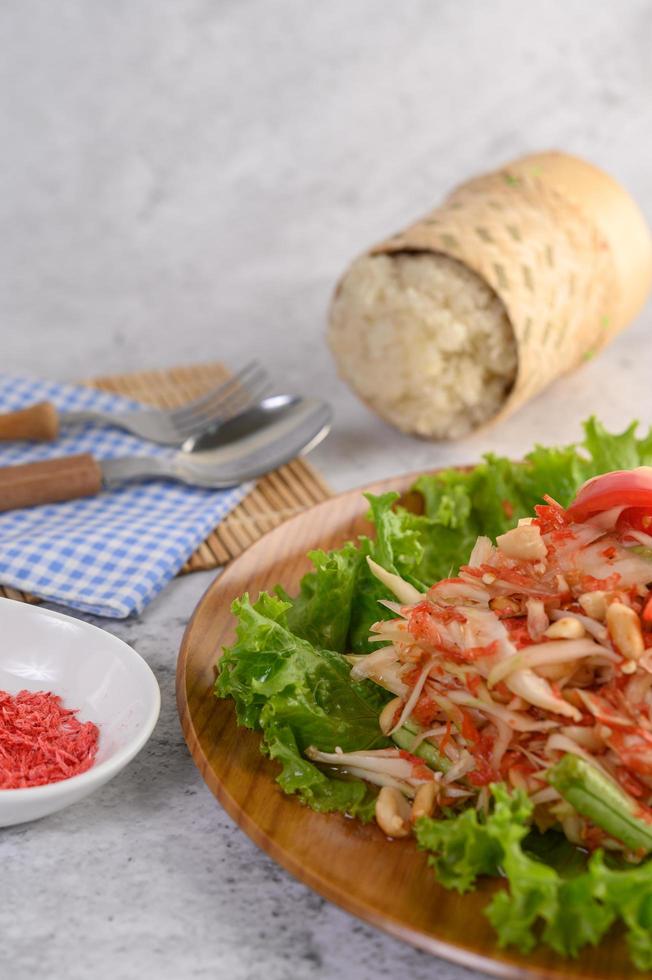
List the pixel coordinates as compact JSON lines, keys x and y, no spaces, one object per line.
{"x":505,"y":605}
{"x":566,"y":628}
{"x":594,"y":604}
{"x":425,"y":800}
{"x":523,"y":543}
{"x":625,"y":630}
{"x":388,"y":714}
{"x":393,"y":812}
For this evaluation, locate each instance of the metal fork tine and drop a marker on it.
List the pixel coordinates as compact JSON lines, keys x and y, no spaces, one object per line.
{"x":218,"y":391}
{"x":234,"y":404}
{"x":215,"y":394}
{"x":217,"y":405}
{"x":230,"y":408}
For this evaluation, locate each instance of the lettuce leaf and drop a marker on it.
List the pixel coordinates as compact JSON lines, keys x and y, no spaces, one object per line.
{"x":628,"y":895}
{"x":321,"y":613}
{"x":298,"y":695}
{"x":540,"y":903}
{"x":339,"y":600}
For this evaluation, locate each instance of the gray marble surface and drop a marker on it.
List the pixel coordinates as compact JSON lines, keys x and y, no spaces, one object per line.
{"x":184,"y":180}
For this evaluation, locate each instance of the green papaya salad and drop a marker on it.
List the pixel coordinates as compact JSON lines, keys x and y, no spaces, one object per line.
{"x":479,"y":675}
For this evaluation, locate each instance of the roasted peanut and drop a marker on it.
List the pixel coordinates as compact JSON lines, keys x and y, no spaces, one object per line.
{"x":425,"y":800}
{"x":505,"y":605}
{"x":523,"y":543}
{"x":625,"y":630}
{"x":393,"y":812}
{"x":566,"y":628}
{"x":388,"y":714}
{"x":594,"y":604}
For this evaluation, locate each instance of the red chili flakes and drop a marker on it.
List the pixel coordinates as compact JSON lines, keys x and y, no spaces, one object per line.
{"x":550,"y":516}
{"x":425,"y":711}
{"x":629,"y":783}
{"x":469,"y":730}
{"x":447,"y":737}
{"x":446,"y":615}
{"x":588,"y":583}
{"x":516,"y":627}
{"x":422,"y":626}
{"x":483,"y":774}
{"x":411,"y":676}
{"x":476,"y":653}
{"x":592,"y":837}
{"x":513,"y":576}
{"x":41,"y":741}
{"x":419,"y":769}
{"x":472,"y":682}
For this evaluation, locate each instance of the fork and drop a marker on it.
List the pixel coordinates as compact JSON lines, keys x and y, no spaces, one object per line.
{"x":171,"y":427}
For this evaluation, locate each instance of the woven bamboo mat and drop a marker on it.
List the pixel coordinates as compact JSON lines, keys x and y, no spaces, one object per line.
{"x":277,"y":496}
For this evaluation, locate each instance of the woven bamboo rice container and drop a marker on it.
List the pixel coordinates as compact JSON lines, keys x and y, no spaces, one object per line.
{"x":563,"y":246}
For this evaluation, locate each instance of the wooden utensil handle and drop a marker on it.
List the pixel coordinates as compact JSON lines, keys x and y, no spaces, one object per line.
{"x":49,"y":482}
{"x":38,"y":423}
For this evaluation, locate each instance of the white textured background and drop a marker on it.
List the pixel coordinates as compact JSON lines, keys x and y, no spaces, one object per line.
{"x":185,"y":180}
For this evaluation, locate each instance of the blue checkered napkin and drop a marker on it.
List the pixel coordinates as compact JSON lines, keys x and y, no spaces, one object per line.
{"x":110,"y":554}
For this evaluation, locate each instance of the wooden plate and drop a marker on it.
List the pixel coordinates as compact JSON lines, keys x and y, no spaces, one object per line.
{"x":355,"y":866}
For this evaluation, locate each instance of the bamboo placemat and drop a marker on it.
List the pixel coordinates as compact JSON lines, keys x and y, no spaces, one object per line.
{"x":277,"y":496}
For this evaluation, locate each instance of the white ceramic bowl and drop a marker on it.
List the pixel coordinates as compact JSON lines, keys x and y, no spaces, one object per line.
{"x":91,"y":670}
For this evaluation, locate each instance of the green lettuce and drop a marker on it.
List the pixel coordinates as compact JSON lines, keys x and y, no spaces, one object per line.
{"x":540,"y":903}
{"x":299,"y":695}
{"x":321,"y":613}
{"x":339,"y":600}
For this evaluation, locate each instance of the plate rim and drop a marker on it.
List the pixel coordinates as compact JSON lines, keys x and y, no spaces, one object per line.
{"x":459,"y":954}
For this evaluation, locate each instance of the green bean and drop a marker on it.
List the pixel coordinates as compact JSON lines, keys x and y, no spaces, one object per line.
{"x":404,"y":738}
{"x":596,"y":797}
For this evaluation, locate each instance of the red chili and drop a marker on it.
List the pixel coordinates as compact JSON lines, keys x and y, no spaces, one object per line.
{"x":475,"y":653}
{"x":550,"y":516}
{"x":425,"y":711}
{"x":472,"y":683}
{"x":469,"y":731}
{"x":483,"y":774}
{"x":588,"y":583}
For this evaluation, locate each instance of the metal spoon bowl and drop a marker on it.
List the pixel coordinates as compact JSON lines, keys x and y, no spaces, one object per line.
{"x":255,"y":442}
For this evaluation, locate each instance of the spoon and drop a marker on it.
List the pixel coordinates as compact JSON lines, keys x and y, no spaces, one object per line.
{"x":245,"y":447}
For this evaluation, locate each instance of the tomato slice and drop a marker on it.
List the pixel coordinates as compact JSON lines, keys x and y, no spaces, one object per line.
{"x":621,"y":488}
{"x":635,"y":519}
